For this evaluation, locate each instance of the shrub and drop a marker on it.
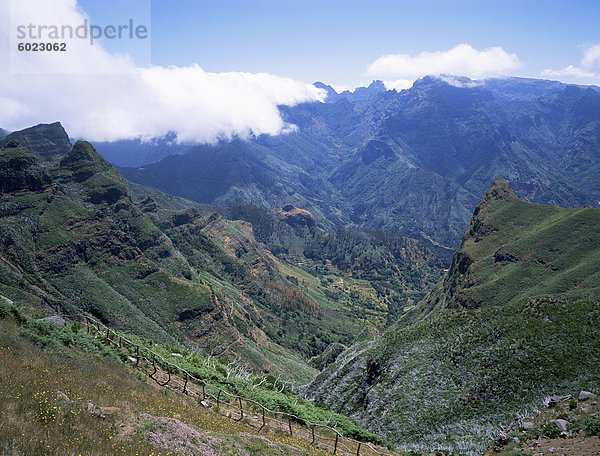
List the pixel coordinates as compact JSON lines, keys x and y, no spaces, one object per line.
{"x":550,"y":430}
{"x":572,"y":404}
{"x":591,"y":426}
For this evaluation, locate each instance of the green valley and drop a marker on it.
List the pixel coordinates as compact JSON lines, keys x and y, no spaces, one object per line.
{"x":515,"y":320}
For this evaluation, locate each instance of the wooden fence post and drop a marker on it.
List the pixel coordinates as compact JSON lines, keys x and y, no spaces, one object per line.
{"x":263,"y":418}
{"x":90,"y":324}
{"x":241,"y":408}
{"x":154,"y":366}
{"x":185,"y":384}
{"x":169,"y":376}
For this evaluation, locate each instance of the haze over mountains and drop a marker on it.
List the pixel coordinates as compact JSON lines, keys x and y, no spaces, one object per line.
{"x":424,"y":262}
{"x":414,"y":162}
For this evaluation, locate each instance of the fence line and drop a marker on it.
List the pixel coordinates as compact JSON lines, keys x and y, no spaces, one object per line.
{"x":339,"y":442}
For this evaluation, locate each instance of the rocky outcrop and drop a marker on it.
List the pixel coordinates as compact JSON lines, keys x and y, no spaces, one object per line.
{"x":295,"y":216}
{"x":20,"y":170}
{"x":48,"y":142}
{"x":83,"y":164}
{"x":84,"y":161}
{"x":148,"y":205}
{"x":586,"y":395}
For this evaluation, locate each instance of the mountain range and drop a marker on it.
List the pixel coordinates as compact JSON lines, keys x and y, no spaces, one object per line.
{"x":424,"y":262}
{"x":74,"y":238}
{"x":514,"y":321}
{"x":413,"y":162}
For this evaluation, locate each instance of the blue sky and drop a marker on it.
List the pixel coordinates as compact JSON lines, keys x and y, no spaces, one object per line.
{"x":222,"y":69}
{"x":334,"y":41}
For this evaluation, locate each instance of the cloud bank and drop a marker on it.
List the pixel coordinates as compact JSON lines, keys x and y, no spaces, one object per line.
{"x":104,"y":97}
{"x":587,"y":72}
{"x":398,"y":70}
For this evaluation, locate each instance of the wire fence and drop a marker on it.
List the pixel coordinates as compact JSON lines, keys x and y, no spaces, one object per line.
{"x":172,"y":376}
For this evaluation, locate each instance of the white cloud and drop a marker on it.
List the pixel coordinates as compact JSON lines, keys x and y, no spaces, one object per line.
{"x":460,"y":81}
{"x":591,"y":57}
{"x":588,"y":71}
{"x":102,"y":96}
{"x":570,"y":73}
{"x":398,"y":84}
{"x":461,"y":60}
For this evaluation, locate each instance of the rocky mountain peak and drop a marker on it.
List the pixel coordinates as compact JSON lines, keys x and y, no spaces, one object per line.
{"x":500,"y":190}
{"x":48,"y":142}
{"x":84,"y":161}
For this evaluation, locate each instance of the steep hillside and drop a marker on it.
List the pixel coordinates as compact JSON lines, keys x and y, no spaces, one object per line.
{"x":390,"y":194}
{"x":65,"y":389}
{"x":516,"y":319}
{"x":72,"y":239}
{"x":357,"y":275}
{"x":413,"y":162}
{"x":512,"y":250}
{"x":49,"y":142}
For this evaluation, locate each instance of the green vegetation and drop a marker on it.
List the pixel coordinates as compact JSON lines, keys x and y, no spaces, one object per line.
{"x":78,"y":242}
{"x":274,"y":393}
{"x":271,"y":392}
{"x":20,"y":170}
{"x":590,"y":426}
{"x":63,"y":392}
{"x":489,"y":365}
{"x":480,"y":348}
{"x":377,"y":276}
{"x":513,"y":250}
{"x":196,"y":279}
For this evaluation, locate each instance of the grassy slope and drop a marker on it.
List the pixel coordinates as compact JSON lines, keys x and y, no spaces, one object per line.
{"x":489,"y":350}
{"x":358,"y":279}
{"x":140,"y":419}
{"x":139,"y":192}
{"x":19,"y":326}
{"x":78,"y":242}
{"x":513,"y":249}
